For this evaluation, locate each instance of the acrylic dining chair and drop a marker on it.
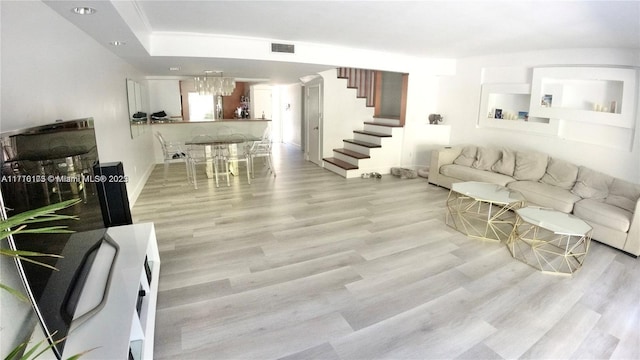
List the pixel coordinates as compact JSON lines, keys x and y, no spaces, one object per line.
{"x":262,"y":149}
{"x":173,"y":152}
{"x":237,"y":152}
{"x":199,"y":152}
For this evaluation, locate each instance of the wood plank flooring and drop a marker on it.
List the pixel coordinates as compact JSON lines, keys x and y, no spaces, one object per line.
{"x":310,"y":265}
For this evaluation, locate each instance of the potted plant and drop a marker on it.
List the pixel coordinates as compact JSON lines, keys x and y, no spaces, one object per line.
{"x":20,"y":224}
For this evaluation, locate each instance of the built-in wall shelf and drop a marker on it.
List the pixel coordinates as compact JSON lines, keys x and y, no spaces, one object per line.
{"x":506,"y":106}
{"x":598,"y":95}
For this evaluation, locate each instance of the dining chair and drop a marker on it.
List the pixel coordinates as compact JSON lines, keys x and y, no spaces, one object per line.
{"x":237,"y":152}
{"x":197,"y":154}
{"x":262,"y":149}
{"x":173,"y":152}
{"x":221,"y":152}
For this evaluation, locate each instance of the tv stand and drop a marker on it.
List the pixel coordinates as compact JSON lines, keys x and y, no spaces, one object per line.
{"x":123,"y":327}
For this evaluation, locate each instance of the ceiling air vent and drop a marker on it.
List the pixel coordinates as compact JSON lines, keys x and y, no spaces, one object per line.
{"x":282,"y":48}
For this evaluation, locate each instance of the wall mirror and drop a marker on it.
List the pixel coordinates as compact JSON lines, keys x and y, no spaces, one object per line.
{"x":138,"y":116}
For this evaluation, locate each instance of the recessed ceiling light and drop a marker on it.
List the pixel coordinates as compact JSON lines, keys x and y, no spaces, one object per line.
{"x":84,"y":10}
{"x":174,"y":68}
{"x":117,"y":43}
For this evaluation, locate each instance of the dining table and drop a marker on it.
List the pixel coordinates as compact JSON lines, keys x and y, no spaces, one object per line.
{"x":213,"y":144}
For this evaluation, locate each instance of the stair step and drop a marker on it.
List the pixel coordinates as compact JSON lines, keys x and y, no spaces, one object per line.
{"x":381,"y":124}
{"x":353,"y":154}
{"x":371,"y":133}
{"x":362,"y":143}
{"x":341,"y":164}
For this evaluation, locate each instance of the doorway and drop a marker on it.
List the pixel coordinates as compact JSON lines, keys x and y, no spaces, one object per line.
{"x":313,"y":121}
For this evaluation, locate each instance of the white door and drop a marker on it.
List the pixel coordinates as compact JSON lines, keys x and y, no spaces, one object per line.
{"x":314,"y":123}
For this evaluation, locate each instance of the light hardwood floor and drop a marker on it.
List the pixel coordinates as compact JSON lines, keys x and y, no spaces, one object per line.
{"x":310,"y":265}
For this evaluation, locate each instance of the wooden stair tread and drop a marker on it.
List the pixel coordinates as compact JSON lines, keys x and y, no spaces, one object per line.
{"x":381,"y":124}
{"x":371,"y":133}
{"x":353,"y":154}
{"x":362,"y":143}
{"x":341,"y":164}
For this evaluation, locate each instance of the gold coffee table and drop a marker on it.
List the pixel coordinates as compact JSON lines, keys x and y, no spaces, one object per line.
{"x":482,"y":210}
{"x":550,"y":240}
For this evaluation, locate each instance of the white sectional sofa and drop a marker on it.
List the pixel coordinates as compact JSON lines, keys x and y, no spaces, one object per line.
{"x":610,"y":205}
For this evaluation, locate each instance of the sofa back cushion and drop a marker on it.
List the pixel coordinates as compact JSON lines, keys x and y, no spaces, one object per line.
{"x":592,"y":184}
{"x":530,"y":165}
{"x":560,"y":173}
{"x":507,"y":162}
{"x":486,"y":157}
{"x":623,"y":194}
{"x":467,"y":156}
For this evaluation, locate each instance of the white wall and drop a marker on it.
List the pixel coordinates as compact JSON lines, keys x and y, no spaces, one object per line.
{"x":459,"y":100}
{"x":290,"y":108}
{"x":164,"y":95}
{"x":343,"y":112}
{"x":51,"y":70}
{"x":420,"y":138}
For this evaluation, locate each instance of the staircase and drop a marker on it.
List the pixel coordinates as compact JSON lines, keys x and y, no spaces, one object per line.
{"x":362,"y":80}
{"x":375,"y":148}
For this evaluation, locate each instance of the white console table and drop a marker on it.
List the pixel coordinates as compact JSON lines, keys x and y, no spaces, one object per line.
{"x":117,"y":330}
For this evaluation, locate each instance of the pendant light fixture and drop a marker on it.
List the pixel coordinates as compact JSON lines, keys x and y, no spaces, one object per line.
{"x":214,"y":85}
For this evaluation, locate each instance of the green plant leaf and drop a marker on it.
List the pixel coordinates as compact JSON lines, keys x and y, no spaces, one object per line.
{"x":32,"y":350}
{"x":17,"y":224}
{"x":43,"y":350}
{"x":46,"y":212}
{"x":36,"y":351}
{"x":21,"y":254}
{"x":14,"y":292}
{"x":17,"y":350}
{"x":36,"y":262}
{"x":47,"y":230}
{"x":18,"y":253}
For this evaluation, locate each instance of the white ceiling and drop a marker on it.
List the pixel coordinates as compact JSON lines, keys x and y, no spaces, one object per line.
{"x":437,"y":28}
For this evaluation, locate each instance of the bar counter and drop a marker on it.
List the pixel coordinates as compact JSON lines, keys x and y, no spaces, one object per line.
{"x":183,"y":131}
{"x":179,"y":120}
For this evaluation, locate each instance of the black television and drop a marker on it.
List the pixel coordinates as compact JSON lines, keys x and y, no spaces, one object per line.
{"x":50,"y":164}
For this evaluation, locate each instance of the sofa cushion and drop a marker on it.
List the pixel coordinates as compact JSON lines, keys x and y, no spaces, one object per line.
{"x":507,"y":162}
{"x":486,"y":157}
{"x":610,"y":216}
{"x":530,"y":165}
{"x":467,"y":156}
{"x":545,"y":195}
{"x":623,"y":194}
{"x":560,"y":173}
{"x":465,"y":173}
{"x":592,"y":184}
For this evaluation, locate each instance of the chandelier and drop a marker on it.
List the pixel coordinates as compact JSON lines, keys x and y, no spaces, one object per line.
{"x":215,"y":85}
